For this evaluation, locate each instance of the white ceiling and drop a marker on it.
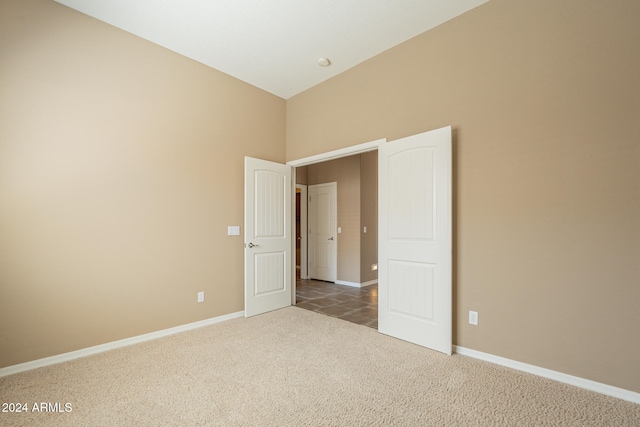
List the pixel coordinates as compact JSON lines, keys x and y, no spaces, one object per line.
{"x":275,"y":44}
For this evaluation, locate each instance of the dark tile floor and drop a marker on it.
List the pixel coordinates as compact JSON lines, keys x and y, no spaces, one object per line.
{"x":357,"y":305}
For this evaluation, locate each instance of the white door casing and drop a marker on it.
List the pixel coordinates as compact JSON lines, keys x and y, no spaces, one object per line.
{"x":267,"y":232}
{"x":415,"y":239}
{"x":323,"y":237}
{"x":304,"y":271}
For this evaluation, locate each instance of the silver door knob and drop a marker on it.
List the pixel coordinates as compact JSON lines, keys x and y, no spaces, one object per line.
{"x":330,"y":238}
{"x":251,"y":245}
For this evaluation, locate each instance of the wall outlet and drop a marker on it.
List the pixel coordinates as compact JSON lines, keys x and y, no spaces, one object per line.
{"x":200,"y":296}
{"x":473,"y":318}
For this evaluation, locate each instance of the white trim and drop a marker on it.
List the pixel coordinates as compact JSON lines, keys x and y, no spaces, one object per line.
{"x":304,"y":272}
{"x":336,"y":154}
{"x":605,"y":389}
{"x":356,"y":284}
{"x":352,"y":284}
{"x":65,"y":357}
{"x":293,"y":279}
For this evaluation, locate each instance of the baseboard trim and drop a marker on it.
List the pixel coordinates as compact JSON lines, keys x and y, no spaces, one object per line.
{"x":605,"y":389}
{"x":65,"y":357}
{"x":356,"y":284}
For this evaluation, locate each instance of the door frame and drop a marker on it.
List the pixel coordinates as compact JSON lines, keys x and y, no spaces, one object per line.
{"x":319,"y":158}
{"x":304,"y":274}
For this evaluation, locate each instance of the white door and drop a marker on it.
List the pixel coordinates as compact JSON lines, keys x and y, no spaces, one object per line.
{"x":323,"y":243}
{"x":267,"y":232}
{"x":414,"y":264}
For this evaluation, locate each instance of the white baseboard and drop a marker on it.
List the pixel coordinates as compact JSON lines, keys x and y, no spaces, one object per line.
{"x":10,"y":370}
{"x":356,"y":284}
{"x":608,"y":390}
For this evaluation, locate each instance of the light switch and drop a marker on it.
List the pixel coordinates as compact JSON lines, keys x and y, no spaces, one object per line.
{"x":339,"y":230}
{"x":233,"y":230}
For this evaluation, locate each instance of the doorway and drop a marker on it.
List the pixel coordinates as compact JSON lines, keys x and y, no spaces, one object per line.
{"x":415,"y":237}
{"x":352,"y":293}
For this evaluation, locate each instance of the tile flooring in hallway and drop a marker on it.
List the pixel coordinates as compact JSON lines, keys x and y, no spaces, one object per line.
{"x":357,"y":305}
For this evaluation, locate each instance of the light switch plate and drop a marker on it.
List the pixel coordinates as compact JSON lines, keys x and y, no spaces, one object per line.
{"x":233,"y":230}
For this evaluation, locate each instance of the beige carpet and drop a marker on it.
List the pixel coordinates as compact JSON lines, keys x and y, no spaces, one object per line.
{"x":294,"y":367}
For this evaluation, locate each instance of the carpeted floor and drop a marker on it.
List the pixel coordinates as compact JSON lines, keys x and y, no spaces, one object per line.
{"x":294,"y":367}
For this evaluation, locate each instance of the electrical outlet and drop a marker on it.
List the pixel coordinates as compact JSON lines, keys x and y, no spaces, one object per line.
{"x":200,"y":296}
{"x":473,"y":318}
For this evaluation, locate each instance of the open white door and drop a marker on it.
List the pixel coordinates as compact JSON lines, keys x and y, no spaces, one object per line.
{"x":267,"y":232}
{"x":414,"y":247}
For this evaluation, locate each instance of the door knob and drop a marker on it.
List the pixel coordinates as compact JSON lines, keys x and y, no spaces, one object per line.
{"x":251,"y":245}
{"x":330,"y":238}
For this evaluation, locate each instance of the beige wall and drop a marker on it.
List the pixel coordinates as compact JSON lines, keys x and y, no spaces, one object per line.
{"x":120,"y":169}
{"x":301,"y":175}
{"x":544,"y":100}
{"x":368,"y":215}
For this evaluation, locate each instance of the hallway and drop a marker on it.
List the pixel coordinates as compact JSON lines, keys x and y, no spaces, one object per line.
{"x":356,"y":305}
